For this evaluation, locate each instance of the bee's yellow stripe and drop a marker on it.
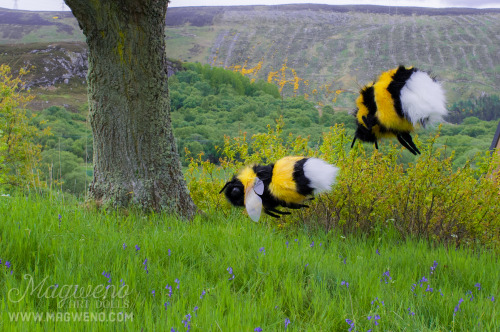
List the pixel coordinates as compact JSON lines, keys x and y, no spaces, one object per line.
{"x":362,"y":109}
{"x":282,"y":184}
{"x":386,"y":112}
{"x":247,"y":176}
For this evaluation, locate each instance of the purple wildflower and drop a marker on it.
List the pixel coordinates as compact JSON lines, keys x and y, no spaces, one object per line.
{"x":429,"y":289}
{"x":153,"y":292}
{"x":458,"y":306}
{"x":169,"y":252}
{"x":166,"y":305}
{"x":307,"y":265}
{"x":177,"y":282}
{"x":258,"y":329}
{"x":137,"y":248}
{"x":230,"y":270}
{"x":342,"y":283}
{"x":351,"y":324}
{"x":202,"y":294}
{"x":492,"y":298}
{"x":421,"y":281}
{"x":7,"y":264}
{"x":287,"y":321}
{"x":146,"y":265}
{"x":312,"y":244}
{"x":169,"y":288}
{"x":377,"y":252}
{"x":411,"y":313}
{"x":478,"y":285}
{"x":470,"y":294}
{"x":441,"y":293}
{"x":386,"y":276}
{"x":124,"y":246}
{"x":60,"y":217}
{"x":262,"y":250}
{"x":433,"y":267}
{"x":286,"y":244}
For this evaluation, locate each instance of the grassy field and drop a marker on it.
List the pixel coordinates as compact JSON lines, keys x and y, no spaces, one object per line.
{"x":226,"y":273}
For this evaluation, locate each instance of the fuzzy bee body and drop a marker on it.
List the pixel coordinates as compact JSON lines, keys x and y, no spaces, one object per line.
{"x":398,"y":102}
{"x":286,"y":183}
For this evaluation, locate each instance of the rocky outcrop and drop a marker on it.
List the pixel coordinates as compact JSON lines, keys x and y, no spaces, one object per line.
{"x":56,"y":63}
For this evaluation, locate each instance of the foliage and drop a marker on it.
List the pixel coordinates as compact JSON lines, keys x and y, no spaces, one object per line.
{"x":168,"y":269}
{"x":486,"y":107}
{"x":19,"y":154}
{"x":426,"y":198}
{"x":66,"y":153}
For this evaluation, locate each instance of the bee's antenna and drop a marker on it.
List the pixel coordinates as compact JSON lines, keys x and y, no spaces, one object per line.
{"x":227,"y":183}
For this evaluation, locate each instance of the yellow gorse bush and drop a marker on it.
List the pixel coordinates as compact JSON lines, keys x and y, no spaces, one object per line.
{"x":426,"y":199}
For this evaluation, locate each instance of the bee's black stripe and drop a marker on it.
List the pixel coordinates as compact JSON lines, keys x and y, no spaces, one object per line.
{"x":300,"y":179}
{"x":369,"y":100}
{"x":398,"y":82}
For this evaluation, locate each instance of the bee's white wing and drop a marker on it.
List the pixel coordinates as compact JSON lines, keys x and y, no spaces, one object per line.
{"x":258,"y":187}
{"x":253,"y":202}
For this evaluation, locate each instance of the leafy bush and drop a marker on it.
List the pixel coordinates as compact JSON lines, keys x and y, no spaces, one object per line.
{"x":426,"y":198}
{"x":19,"y":154}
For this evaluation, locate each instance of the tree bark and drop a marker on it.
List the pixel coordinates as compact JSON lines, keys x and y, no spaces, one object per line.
{"x":135,"y":155}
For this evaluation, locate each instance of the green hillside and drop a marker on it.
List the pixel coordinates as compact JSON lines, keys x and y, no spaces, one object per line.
{"x":330,"y":48}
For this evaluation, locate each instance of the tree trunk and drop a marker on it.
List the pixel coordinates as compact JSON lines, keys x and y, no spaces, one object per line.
{"x":135,"y":155}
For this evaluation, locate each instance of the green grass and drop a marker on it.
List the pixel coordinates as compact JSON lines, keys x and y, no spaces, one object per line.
{"x":289,"y":278}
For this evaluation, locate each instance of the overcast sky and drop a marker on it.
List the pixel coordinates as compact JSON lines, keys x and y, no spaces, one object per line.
{"x":56,"y":5}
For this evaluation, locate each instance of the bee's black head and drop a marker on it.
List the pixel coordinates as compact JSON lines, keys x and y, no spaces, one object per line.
{"x":235,"y":192}
{"x":365,"y":134}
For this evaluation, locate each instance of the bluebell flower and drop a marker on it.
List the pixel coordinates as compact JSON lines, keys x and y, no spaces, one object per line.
{"x":166,"y":305}
{"x":124,"y":246}
{"x":262,"y":250}
{"x":258,"y":329}
{"x":351,"y":324}
{"x":433,"y":267}
{"x":478,"y":285}
{"x":386,"y":276}
{"x":153,"y":292}
{"x":312,"y":244}
{"x":169,"y":288}
{"x":286,"y":244}
{"x":429,"y":289}
{"x":377,"y":252}
{"x":7,"y":264}
{"x":137,"y":248}
{"x":342,"y":283}
{"x":169,"y":252}
{"x":492,"y":298}
{"x":287,"y":321}
{"x":202,"y":294}
{"x":177,"y":282}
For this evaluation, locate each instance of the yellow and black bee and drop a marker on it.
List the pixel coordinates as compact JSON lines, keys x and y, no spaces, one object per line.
{"x":287,"y":183}
{"x":399,"y":101}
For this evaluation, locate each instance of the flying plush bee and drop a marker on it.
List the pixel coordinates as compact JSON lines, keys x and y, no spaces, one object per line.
{"x":399,"y":101}
{"x":287,"y":183}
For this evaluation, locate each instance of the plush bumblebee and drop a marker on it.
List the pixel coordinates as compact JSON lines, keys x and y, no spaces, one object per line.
{"x":287,"y":183}
{"x":399,"y":101}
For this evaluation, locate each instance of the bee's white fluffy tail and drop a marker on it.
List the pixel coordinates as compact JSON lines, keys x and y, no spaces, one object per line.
{"x":321,"y":174}
{"x":423,"y":99}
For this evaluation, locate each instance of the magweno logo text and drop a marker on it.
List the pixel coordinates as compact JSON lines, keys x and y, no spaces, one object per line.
{"x":74,"y":302}
{"x":70,"y":316}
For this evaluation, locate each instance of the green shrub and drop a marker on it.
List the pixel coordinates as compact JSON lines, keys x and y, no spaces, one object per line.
{"x":426,"y":198}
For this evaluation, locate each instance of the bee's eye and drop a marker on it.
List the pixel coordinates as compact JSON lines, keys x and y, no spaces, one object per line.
{"x":236,"y":192}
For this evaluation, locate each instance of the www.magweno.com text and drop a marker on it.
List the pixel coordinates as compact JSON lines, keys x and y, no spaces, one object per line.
{"x":71,"y":316}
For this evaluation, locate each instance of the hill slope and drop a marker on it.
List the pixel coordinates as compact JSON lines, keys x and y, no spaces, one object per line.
{"x":331,"y":49}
